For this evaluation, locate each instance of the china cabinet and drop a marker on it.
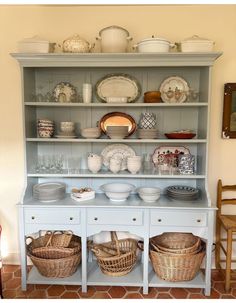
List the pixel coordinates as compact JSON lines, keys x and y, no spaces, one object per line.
{"x":41,"y":73}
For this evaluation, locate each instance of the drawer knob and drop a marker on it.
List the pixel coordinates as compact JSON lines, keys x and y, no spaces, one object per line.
{"x":95,"y":219}
{"x":159,"y":220}
{"x":71,"y":218}
{"x":33,"y":217}
{"x":199,"y":220}
{"x":134,"y":219}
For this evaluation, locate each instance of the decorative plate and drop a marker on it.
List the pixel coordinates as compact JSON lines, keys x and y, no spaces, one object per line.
{"x":118,"y":85}
{"x":174,"y":90}
{"x":164,"y":152}
{"x":117,"y":151}
{"x":117,"y":119}
{"x":64,"y":92}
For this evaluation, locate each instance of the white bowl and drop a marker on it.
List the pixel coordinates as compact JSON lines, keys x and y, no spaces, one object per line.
{"x":91,"y":133}
{"x":149,"y":194}
{"x":117,"y":192}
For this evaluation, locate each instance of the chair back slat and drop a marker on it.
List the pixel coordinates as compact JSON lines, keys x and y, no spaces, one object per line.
{"x":228,"y":187}
{"x":228,"y":201}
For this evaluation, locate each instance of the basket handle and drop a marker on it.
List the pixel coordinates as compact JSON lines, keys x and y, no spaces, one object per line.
{"x":29,"y":237}
{"x":115,"y":239}
{"x":140,"y":245}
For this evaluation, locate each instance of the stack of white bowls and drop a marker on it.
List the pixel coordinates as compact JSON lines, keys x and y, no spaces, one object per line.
{"x":134,"y":164}
{"x":151,"y":133}
{"x":91,"y":133}
{"x":149,"y":194}
{"x":117,"y":131}
{"x":45,"y":128}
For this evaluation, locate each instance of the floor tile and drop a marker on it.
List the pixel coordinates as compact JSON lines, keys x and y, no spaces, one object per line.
{"x":9,"y":294}
{"x":117,"y":292}
{"x":152,"y":293}
{"x":38,"y":294}
{"x":196,"y":296}
{"x":70,"y":295}
{"x":179,"y":293}
{"x":55,"y":290}
{"x":164,"y":296}
{"x":134,"y":295}
{"x":90,"y":292}
{"x":101,"y":295}
{"x":13,"y":283}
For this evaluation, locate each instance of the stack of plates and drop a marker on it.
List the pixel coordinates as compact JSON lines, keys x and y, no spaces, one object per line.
{"x":49,"y":191}
{"x":117,"y":131}
{"x":185,"y":193}
{"x":151,"y":133}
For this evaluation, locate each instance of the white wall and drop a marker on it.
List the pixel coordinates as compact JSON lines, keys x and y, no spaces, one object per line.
{"x":217,"y":22}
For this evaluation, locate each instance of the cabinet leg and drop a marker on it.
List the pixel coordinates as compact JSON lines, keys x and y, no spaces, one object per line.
{"x":145,"y":265}
{"x":208,"y":268}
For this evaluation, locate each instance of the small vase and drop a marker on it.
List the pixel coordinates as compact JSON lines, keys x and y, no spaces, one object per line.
{"x":147,"y":121}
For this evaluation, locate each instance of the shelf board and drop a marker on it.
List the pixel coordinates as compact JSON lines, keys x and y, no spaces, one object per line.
{"x":97,"y":277}
{"x":155,"y":281}
{"x":106,"y":140}
{"x":133,"y":201}
{"x":85,"y":173}
{"x":35,"y":277}
{"x":96,"y":104}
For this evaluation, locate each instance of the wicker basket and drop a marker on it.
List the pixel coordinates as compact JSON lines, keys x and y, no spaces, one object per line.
{"x":177,"y":267}
{"x":117,"y":257}
{"x":56,"y":268}
{"x":42,"y":248}
{"x":177,"y":243}
{"x":55,"y":261}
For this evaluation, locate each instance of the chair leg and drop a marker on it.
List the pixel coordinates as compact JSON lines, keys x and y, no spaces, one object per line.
{"x":1,"y":294}
{"x":228,"y":260}
{"x":217,"y":250}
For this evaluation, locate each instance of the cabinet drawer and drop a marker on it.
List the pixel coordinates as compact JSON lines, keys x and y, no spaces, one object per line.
{"x":115,"y":217}
{"x":52,"y":216}
{"x":178,"y":218}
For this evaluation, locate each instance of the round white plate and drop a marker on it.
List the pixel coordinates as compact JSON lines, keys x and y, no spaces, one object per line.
{"x":174,"y":90}
{"x":120,"y":151}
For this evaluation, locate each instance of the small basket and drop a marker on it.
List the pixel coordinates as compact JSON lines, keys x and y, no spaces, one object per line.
{"x":56,"y":268}
{"x":42,"y":247}
{"x":177,"y":243}
{"x":177,"y":267}
{"x":117,"y":257}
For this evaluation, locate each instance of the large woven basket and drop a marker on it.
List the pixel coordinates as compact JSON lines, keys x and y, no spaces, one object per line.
{"x":177,"y":243}
{"x":117,"y":257}
{"x":55,"y":261}
{"x":56,"y":268}
{"x":177,"y":267}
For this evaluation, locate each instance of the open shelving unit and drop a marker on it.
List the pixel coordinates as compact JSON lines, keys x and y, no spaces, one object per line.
{"x":40,"y":73}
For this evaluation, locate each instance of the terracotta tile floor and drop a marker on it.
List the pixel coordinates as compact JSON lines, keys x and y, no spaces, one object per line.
{"x":12,"y":289}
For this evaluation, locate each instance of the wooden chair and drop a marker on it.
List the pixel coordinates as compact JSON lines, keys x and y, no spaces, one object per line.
{"x":1,"y":294}
{"x":228,"y":223}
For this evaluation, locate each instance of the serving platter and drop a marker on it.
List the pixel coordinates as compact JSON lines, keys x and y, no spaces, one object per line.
{"x":64,"y":92}
{"x":117,"y":151}
{"x":174,"y":89}
{"x":118,"y":85}
{"x":118,"y":119}
{"x":164,"y":152}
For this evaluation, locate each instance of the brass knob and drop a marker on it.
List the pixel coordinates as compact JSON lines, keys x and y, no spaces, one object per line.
{"x":134,"y":219}
{"x":95,"y":219}
{"x":159,"y":220}
{"x":199,"y":220}
{"x":32,"y":217}
{"x":71,"y":218}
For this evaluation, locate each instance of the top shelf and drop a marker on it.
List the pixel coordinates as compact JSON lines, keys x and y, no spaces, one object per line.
{"x":116,"y":59}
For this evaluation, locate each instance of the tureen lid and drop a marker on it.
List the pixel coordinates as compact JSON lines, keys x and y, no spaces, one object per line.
{"x":34,"y":39}
{"x":76,"y":37}
{"x":114,"y":27}
{"x":160,"y":39}
{"x":196,"y":38}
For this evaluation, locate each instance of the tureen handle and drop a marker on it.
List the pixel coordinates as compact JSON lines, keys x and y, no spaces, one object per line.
{"x":99,"y":38}
{"x":129,"y":38}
